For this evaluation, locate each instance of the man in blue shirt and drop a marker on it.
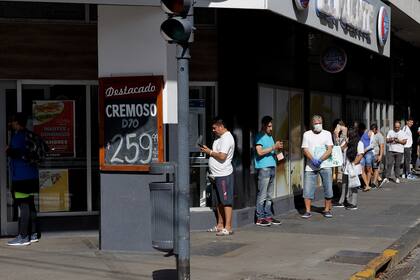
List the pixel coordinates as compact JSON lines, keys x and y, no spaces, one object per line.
{"x":25,"y":182}
{"x":265,"y":162}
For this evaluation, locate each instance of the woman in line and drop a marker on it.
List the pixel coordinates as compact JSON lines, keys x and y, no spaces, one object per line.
{"x":353,"y":156}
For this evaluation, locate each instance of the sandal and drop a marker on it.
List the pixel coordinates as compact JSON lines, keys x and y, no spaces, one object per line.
{"x":224,"y":232}
{"x":214,"y":229}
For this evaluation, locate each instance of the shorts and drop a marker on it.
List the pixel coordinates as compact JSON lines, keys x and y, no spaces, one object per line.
{"x":224,"y":189}
{"x":368,"y":159}
{"x":311,"y":181}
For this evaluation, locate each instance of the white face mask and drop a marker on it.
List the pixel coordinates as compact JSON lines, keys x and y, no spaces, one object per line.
{"x":318,"y":127}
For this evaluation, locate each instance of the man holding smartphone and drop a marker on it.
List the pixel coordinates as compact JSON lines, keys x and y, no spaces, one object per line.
{"x":220,"y":164}
{"x":396,"y":140}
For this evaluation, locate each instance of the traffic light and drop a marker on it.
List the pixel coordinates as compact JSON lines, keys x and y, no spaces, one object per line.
{"x":178,"y":27}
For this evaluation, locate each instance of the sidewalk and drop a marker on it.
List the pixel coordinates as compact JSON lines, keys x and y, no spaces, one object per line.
{"x":316,"y":249}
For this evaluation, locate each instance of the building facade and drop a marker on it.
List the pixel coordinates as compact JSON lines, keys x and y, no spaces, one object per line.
{"x":249,"y":59}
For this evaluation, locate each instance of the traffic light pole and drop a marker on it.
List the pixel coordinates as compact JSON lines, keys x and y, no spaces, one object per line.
{"x":183,"y":190}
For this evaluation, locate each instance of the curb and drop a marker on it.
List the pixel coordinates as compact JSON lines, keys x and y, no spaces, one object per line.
{"x":391,"y":256}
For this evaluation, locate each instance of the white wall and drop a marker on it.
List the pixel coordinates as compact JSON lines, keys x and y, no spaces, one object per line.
{"x":130,"y":44}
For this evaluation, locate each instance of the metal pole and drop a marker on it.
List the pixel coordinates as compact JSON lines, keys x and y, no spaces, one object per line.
{"x":183,"y":178}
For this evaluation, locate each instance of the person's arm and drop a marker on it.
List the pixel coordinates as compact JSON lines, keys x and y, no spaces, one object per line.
{"x":381,"y":151}
{"x":358,"y":159}
{"x":402,"y":141}
{"x":262,"y":152}
{"x":217,"y":155}
{"x":327,"y":153}
{"x":307,"y":154}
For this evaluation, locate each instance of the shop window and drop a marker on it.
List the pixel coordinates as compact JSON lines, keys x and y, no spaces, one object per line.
{"x":204,"y":16}
{"x":328,"y":106}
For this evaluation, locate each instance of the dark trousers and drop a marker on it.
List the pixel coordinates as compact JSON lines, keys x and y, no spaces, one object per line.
{"x":393,"y":160}
{"x":27,"y":219}
{"x":407,"y":160}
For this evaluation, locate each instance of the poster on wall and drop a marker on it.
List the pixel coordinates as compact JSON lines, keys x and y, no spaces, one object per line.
{"x":54,"y":190}
{"x":54,"y":121}
{"x":131,"y":122}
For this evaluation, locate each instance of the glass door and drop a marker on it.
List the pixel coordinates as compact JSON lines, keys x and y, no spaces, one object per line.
{"x":8,"y":106}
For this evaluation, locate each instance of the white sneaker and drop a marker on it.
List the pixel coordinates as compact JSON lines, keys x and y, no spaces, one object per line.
{"x":384,"y":181}
{"x":397,"y":180}
{"x":403,"y":176}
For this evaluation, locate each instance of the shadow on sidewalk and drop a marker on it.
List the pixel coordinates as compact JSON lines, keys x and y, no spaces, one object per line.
{"x":165,"y":274}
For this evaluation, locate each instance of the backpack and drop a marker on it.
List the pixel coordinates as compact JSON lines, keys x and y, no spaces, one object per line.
{"x":36,"y":148}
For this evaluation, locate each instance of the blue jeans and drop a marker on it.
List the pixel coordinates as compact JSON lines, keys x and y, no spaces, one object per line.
{"x":310,"y":183}
{"x":265,"y":192}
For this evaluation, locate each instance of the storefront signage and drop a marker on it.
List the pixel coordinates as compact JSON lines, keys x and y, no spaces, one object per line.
{"x":355,"y":16}
{"x":333,"y":60}
{"x":130,"y":122}
{"x":383,"y":26}
{"x":302,"y":4}
{"x":54,"y":190}
{"x":54,"y":121}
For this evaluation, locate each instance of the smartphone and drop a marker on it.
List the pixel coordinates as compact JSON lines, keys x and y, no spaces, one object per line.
{"x":200,"y":145}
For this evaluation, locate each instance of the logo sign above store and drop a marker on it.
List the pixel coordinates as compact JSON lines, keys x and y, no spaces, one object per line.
{"x":302,"y":4}
{"x":333,"y":60}
{"x":356,"y":16}
{"x":131,"y":122}
{"x":383,"y":26}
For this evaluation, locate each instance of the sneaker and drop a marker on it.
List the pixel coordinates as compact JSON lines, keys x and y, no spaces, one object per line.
{"x":263,"y":223}
{"x":351,"y":207}
{"x":384,"y":181}
{"x":338,"y":205}
{"x":327,"y":214}
{"x":403,"y":176}
{"x":274,"y":221}
{"x":397,"y":181}
{"x":307,"y":215}
{"x":34,"y":238}
{"x":411,"y":177}
{"x":19,"y":241}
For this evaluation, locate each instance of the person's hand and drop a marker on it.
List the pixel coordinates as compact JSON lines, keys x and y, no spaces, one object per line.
{"x":205,"y":149}
{"x":278,"y":145}
{"x":316,"y":162}
{"x":378,"y":158}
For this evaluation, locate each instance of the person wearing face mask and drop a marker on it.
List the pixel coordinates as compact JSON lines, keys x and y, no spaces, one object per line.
{"x":317,"y":146}
{"x":396,"y":140}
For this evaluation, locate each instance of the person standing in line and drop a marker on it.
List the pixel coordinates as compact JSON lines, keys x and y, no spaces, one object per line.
{"x":353,"y":155}
{"x":378,"y":144}
{"x":368,"y":156}
{"x":396,"y":140}
{"x":265,"y":163}
{"x":407,"y":148}
{"x":220,"y":164}
{"x":339,"y":139}
{"x":317,"y":146}
{"x":418,"y":149}
{"x":25,"y":182}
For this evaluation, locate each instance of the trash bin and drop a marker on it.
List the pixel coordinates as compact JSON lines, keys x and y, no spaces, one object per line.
{"x":163,"y":223}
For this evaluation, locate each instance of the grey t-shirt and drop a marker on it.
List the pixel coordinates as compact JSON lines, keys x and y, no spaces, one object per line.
{"x":377,"y":140}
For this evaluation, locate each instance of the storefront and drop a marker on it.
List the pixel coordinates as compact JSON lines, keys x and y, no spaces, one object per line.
{"x":246,"y":62}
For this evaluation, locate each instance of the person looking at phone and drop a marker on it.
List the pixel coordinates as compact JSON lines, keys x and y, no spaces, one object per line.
{"x":220,"y":164}
{"x":396,"y":139}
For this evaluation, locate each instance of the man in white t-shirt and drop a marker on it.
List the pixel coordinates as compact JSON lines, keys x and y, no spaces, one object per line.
{"x":396,"y":140}
{"x":407,"y":147}
{"x":220,"y":164}
{"x":317,"y":146}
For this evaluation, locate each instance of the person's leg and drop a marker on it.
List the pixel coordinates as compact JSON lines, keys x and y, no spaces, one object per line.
{"x":25,"y":217}
{"x":353,"y":196}
{"x":344,"y":189}
{"x":263,"y":182}
{"x":34,"y":223}
{"x":228,"y":217}
{"x":407,"y":161}
{"x":326,"y":176}
{"x":397,"y":165}
{"x":220,"y":217}
{"x":270,"y":194}
{"x":309,"y":187}
{"x":390,"y":163}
